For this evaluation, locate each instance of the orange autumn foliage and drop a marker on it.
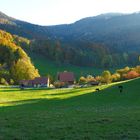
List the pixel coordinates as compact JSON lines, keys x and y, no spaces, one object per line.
{"x":132,"y":74}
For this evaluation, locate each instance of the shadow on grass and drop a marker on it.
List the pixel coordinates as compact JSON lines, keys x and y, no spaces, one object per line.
{"x":36,"y":101}
{"x":72,"y":91}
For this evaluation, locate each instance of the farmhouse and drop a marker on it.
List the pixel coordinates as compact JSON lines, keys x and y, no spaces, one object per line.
{"x":66,"y":77}
{"x":38,"y":81}
{"x":42,"y":81}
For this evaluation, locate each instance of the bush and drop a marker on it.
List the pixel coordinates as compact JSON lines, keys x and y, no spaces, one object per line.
{"x":82,"y":80}
{"x":90,"y":78}
{"x":98,"y":78}
{"x":11,"y":82}
{"x":116,"y":77}
{"x":59,"y":84}
{"x":3,"y":81}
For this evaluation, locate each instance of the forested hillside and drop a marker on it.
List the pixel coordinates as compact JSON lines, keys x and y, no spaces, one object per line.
{"x":119,"y":34}
{"x":104,"y":41}
{"x":15,"y":64}
{"x":117,"y":31}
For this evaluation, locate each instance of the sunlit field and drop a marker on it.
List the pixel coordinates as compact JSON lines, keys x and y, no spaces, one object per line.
{"x":14,"y":96}
{"x":71,"y":114}
{"x":47,"y":67}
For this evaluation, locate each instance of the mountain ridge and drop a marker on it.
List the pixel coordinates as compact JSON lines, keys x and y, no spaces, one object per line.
{"x":2,"y":15}
{"x":108,"y":40}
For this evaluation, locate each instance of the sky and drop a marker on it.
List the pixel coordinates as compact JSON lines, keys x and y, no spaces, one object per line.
{"x":53,"y":12}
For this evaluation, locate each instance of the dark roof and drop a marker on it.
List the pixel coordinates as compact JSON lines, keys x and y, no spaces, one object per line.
{"x":66,"y":76}
{"x":37,"y":80}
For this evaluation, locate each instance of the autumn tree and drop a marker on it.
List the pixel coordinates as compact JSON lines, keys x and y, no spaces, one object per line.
{"x":82,"y":80}
{"x":116,"y":77}
{"x":123,"y":72}
{"x":106,"y":77}
{"x":23,"y":69}
{"x":90,"y":78}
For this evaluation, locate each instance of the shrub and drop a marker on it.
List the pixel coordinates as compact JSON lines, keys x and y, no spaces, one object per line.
{"x":59,"y":84}
{"x":98,"y":78}
{"x":11,"y":82}
{"x":82,"y":80}
{"x":90,"y":78}
{"x":3,"y":81}
{"x":116,"y":77}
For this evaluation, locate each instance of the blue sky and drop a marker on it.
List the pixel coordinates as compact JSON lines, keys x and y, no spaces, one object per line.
{"x":51,"y":12}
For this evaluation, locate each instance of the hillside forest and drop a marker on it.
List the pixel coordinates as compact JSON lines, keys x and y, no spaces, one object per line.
{"x":103,"y":42}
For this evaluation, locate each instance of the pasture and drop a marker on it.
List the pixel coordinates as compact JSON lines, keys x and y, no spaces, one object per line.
{"x":71,"y":114}
{"x":46,"y":67}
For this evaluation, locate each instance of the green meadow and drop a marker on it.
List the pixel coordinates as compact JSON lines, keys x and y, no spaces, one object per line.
{"x":47,"y":67}
{"x":71,"y":114}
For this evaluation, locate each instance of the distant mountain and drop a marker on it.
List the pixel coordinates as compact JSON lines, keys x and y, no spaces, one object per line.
{"x":21,"y":28}
{"x":114,"y":30}
{"x":117,"y":30}
{"x":4,"y":16}
{"x":101,"y":16}
{"x":106,"y":40}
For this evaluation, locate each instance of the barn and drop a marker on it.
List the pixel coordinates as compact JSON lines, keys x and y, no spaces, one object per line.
{"x":66,"y":77}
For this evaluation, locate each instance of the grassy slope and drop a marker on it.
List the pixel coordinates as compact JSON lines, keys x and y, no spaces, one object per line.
{"x":46,"y":67}
{"x":52,"y":115}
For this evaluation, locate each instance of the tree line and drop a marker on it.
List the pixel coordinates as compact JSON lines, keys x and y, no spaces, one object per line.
{"x":107,"y":77}
{"x":83,"y":53}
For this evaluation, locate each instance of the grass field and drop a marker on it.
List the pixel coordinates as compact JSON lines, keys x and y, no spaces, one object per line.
{"x":71,"y":114}
{"x":46,"y":67}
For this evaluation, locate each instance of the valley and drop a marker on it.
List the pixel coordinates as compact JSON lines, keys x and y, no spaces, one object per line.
{"x":77,"y":81}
